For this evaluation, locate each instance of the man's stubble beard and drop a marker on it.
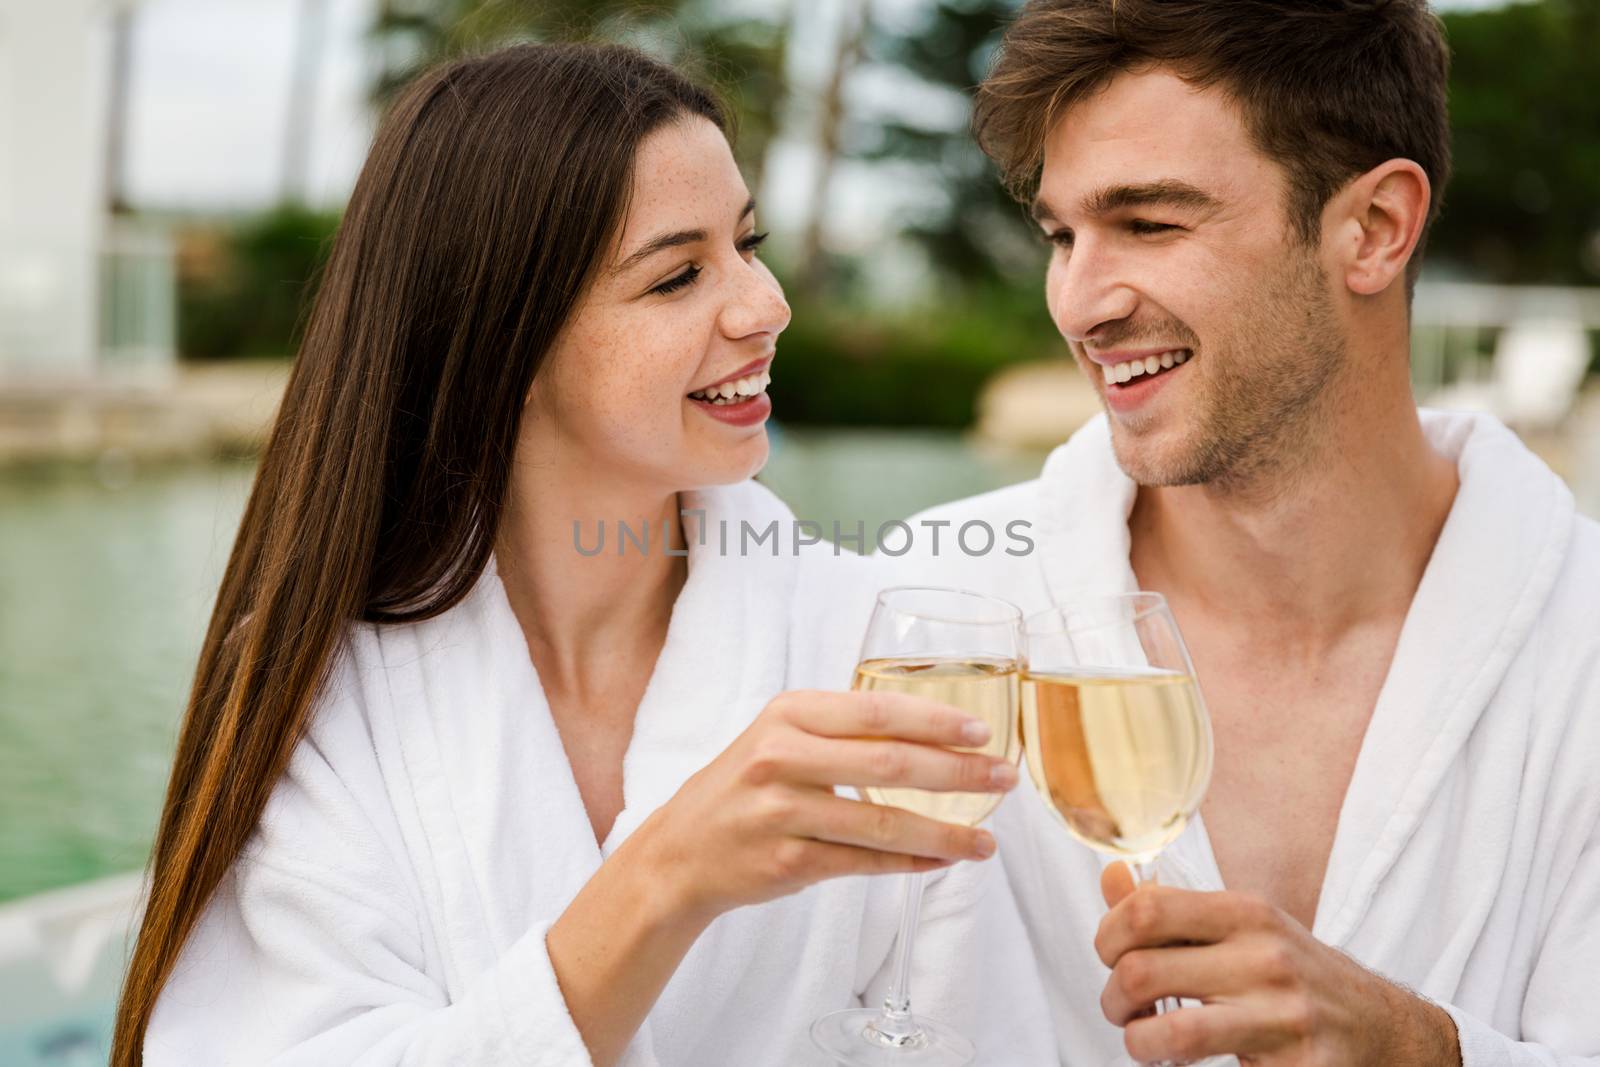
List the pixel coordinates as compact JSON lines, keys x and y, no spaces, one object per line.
{"x":1261,"y":400}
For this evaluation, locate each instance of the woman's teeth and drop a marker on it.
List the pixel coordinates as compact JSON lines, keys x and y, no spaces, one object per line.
{"x":733,"y":392}
{"x":1120,"y":372}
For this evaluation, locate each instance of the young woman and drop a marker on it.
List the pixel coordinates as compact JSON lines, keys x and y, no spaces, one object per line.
{"x":451,"y":786}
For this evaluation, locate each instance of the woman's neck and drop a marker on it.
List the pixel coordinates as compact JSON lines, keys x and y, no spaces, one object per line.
{"x":576,"y":604}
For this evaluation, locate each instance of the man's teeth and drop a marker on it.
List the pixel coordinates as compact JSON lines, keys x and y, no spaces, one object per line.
{"x":735,"y":391}
{"x":1133,"y":368}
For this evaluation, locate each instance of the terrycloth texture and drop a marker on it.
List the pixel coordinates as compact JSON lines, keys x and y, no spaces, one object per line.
{"x":393,"y":904}
{"x":1467,"y":858}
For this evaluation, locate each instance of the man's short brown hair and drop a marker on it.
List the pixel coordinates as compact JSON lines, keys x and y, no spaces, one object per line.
{"x":1329,"y":89}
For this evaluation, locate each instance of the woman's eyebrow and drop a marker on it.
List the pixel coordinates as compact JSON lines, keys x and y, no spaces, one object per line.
{"x":675,"y":239}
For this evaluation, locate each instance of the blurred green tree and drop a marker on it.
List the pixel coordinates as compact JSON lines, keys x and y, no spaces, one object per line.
{"x":245,"y":291}
{"x":972,"y":231}
{"x":742,"y":54}
{"x":1523,"y":204}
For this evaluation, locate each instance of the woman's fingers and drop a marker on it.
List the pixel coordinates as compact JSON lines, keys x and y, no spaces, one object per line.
{"x":800,"y":861}
{"x":772,"y":792}
{"x":882,"y":828}
{"x":880,"y":715}
{"x":806,"y":759}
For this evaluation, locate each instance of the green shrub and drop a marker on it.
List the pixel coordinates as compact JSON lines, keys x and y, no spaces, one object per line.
{"x":249,"y":296}
{"x":922,"y":367}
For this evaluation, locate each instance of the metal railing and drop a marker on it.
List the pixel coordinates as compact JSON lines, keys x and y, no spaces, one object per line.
{"x":138,"y":311}
{"x":1520,"y":352}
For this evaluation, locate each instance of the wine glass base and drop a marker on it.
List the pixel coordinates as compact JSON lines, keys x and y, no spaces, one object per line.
{"x":852,"y":1037}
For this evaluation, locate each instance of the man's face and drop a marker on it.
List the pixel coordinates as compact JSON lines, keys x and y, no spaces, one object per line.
{"x":1182,"y":290}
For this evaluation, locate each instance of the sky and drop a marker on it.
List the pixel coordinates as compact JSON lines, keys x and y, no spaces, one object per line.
{"x":210,"y":99}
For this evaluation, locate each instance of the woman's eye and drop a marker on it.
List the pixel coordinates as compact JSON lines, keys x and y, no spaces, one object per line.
{"x":678,"y":281}
{"x":751,"y":243}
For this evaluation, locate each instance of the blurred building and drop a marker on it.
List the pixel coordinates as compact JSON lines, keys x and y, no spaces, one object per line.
{"x":85,"y":294}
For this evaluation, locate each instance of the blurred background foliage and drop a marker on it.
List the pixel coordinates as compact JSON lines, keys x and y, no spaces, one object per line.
{"x":1523,"y":204}
{"x":243,"y":287}
{"x":742,"y":56}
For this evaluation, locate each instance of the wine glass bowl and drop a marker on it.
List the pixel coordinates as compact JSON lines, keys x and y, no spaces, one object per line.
{"x":1115,"y":731}
{"x":986,"y":687}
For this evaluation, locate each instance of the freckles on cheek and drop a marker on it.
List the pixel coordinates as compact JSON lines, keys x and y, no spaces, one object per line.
{"x":636,"y":411}
{"x":657,"y":413}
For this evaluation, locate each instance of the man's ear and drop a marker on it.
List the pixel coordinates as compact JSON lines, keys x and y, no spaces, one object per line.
{"x":1376,"y":221}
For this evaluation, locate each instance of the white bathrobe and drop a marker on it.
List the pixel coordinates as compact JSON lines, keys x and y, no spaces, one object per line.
{"x":393,"y":904}
{"x":1466,"y":863}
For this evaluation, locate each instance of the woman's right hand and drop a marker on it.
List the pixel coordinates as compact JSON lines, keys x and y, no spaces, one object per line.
{"x":762,"y":820}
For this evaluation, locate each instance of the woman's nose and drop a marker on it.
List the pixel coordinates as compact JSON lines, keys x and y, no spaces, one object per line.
{"x":758,"y":306}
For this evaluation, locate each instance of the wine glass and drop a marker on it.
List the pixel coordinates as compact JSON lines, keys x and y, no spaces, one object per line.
{"x":1114,"y":730}
{"x":958,"y":648}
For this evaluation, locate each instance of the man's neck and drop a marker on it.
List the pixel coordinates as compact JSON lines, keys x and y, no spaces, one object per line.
{"x":1309,"y":550}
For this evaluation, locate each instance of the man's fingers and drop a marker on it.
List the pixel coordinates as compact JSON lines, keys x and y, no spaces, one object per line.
{"x":1116,"y":882}
{"x":1145,"y":975}
{"x":882,"y":715}
{"x":1155,"y":915}
{"x":888,"y":829}
{"x":1190,"y":1034}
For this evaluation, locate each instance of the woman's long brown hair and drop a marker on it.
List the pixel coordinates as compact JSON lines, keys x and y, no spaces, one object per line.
{"x":495,"y":186}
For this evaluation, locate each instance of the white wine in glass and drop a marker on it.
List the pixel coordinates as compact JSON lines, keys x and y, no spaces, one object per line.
{"x":1114,"y":729}
{"x":1121,"y":757}
{"x":958,"y":648}
{"x":983,"y":687}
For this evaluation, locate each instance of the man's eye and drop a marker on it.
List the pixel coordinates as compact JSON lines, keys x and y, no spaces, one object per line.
{"x":1060,"y":238}
{"x":1141,"y":226}
{"x":678,"y":281}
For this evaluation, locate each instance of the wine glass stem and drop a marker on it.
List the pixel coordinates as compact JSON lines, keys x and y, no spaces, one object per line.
{"x":895,"y":1020}
{"x":1144,"y":873}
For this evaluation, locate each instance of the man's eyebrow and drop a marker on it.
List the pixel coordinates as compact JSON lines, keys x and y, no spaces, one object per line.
{"x":1169,"y":192}
{"x":663,"y":241}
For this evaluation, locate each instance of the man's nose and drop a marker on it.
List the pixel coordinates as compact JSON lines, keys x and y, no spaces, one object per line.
{"x":1086,"y":290}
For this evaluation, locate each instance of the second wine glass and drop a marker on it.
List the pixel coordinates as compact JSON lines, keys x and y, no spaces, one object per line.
{"x":1115,"y":732}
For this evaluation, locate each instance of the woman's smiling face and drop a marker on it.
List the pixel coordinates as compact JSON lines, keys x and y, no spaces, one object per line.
{"x":680,"y":311}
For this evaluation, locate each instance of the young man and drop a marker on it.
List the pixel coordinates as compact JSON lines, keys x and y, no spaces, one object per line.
{"x":1394,"y":615}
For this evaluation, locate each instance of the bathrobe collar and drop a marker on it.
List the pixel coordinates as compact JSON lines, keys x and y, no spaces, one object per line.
{"x":1491,"y":571}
